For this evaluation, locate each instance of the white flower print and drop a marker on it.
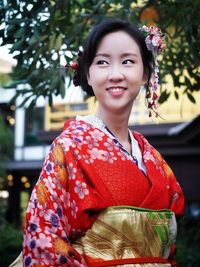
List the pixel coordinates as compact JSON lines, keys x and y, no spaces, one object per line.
{"x":73,"y":124}
{"x":87,"y":159}
{"x":27,"y":238}
{"x":65,"y":198}
{"x":122,"y":155}
{"x":111,"y":145}
{"x":81,"y":189}
{"x":71,"y":171}
{"x":86,"y":127}
{"x":77,"y":155}
{"x":44,"y":241}
{"x":175,"y":196}
{"x":34,"y":226}
{"x":95,"y":153}
{"x":109,"y":156}
{"x":90,"y":142}
{"x":74,"y":208}
{"x":148,"y":155}
{"x":41,"y":213}
{"x":50,"y":183}
{"x":77,"y":134}
{"x":34,"y":219}
{"x":77,"y":139}
{"x":96,"y":134}
{"x":32,"y":203}
{"x":48,"y":258}
{"x":66,"y":143}
{"x":53,"y":219}
{"x":49,"y":167}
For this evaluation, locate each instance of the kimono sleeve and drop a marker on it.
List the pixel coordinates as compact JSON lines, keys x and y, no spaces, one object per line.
{"x":177,"y":196}
{"x":46,"y":234}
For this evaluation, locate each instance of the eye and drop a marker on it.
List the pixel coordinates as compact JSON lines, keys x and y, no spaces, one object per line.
{"x":128,"y":61}
{"x":102,"y":62}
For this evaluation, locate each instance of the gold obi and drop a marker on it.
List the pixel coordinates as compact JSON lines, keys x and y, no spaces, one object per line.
{"x":123,"y":232}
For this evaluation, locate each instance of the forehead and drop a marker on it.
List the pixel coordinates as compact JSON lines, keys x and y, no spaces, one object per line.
{"x":116,"y":41}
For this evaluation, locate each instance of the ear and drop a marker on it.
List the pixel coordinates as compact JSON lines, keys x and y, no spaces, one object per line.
{"x":88,"y":79}
{"x":144,"y":78}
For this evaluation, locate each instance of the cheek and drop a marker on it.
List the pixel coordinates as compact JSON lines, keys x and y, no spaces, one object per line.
{"x":96,"y":78}
{"x":141,"y":76}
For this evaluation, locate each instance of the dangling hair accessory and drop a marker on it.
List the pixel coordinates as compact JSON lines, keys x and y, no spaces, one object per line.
{"x":74,"y":67}
{"x":156,"y":44}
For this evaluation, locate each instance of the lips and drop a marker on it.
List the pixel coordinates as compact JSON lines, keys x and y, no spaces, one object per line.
{"x":116,"y":91}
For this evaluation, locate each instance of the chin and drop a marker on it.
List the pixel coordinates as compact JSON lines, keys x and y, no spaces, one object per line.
{"x":120,"y":108}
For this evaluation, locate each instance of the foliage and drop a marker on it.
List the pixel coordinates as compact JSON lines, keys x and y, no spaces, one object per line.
{"x":180,"y":21}
{"x":188,"y":243}
{"x":10,"y":241}
{"x":42,"y":32}
{"x":6,"y":144}
{"x":6,"y":140}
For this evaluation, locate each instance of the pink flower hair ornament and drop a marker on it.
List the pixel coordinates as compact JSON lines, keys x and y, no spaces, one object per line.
{"x":155,"y":43}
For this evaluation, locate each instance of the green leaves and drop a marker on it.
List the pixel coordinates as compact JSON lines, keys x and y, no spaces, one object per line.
{"x":58,"y":42}
{"x":164,"y":96}
{"x":6,"y":140}
{"x":191,"y":98}
{"x":180,"y":20}
{"x":48,"y":29}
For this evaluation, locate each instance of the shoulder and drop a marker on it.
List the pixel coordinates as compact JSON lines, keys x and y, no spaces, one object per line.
{"x":73,"y":134}
{"x":138,"y":135}
{"x":72,"y":128}
{"x":142,"y":141}
{"x":147,"y":147}
{"x":76,"y":125}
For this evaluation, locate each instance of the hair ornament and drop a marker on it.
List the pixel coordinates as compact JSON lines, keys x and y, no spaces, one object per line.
{"x":154,"y":39}
{"x":155,"y":43}
{"x":74,"y":66}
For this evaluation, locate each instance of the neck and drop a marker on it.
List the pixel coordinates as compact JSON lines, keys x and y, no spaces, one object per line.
{"x":116,"y":123}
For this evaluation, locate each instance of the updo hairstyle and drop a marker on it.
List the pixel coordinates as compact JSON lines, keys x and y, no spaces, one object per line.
{"x":92,"y":43}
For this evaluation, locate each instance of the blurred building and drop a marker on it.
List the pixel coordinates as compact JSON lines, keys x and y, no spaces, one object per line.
{"x":177,"y":137}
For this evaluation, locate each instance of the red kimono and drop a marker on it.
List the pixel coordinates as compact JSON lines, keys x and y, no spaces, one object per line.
{"x":85,"y":172}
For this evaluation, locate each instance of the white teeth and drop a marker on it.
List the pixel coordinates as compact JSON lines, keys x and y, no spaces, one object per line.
{"x":116,"y":89}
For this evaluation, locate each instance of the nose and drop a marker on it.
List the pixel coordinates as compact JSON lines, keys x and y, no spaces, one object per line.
{"x":116,"y":74}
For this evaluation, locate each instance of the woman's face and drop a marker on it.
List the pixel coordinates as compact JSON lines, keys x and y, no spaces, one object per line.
{"x":116,"y":73}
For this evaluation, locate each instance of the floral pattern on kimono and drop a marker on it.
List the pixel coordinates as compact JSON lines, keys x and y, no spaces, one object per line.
{"x":85,"y":172}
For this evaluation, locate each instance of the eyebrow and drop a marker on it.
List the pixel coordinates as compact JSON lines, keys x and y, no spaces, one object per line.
{"x":123,"y":55}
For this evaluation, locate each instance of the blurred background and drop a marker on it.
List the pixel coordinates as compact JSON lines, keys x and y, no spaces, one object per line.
{"x":38,"y":38}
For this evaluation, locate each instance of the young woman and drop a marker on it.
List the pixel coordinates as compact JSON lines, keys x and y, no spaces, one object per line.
{"x":105,"y":196}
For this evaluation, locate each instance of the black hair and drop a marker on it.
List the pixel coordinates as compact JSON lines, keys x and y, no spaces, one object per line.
{"x":92,"y":43}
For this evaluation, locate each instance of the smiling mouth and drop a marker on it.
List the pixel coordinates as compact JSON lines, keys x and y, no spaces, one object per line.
{"x":116,"y":89}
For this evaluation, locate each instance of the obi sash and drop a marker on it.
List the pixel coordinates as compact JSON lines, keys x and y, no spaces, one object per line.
{"x":128,"y":236}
